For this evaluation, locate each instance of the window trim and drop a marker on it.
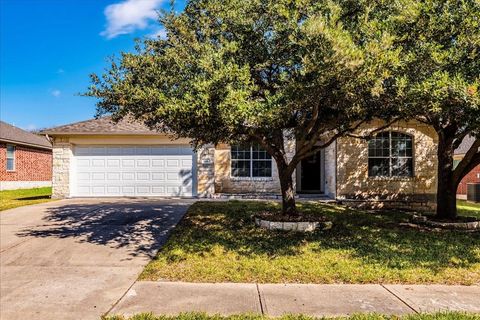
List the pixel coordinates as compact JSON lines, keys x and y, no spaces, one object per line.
{"x":391,"y":157}
{"x":251,"y":176}
{"x":14,"y":157}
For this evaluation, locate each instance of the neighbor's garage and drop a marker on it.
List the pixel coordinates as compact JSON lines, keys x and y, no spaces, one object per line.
{"x":129,"y":170}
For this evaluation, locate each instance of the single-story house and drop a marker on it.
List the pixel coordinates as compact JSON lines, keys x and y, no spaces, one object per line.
{"x":473,"y":176}
{"x":25,"y":159}
{"x":99,"y":158}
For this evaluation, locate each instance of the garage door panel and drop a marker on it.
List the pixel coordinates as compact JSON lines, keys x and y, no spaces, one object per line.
{"x":99,"y":163}
{"x":83,"y":176}
{"x":128,"y":163}
{"x":143,"y":163}
{"x":83,"y":163}
{"x":128,"y":176}
{"x":143,"y":176}
{"x":98,"y":190}
{"x":113,"y":163}
{"x":158,"y":176}
{"x":98,"y":176}
{"x":158,"y":163}
{"x":114,"y":190}
{"x":133,"y":171}
{"x":128,"y":190}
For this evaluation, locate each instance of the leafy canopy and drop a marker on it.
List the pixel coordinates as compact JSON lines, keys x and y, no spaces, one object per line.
{"x":439,"y":78}
{"x":249,"y":69}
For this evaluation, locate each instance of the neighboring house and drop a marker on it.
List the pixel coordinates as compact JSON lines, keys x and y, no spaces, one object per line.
{"x":25,"y":159}
{"x":473,"y":176}
{"x":100,"y":158}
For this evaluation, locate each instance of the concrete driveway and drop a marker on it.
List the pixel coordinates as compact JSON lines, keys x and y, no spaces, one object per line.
{"x":74,"y":259}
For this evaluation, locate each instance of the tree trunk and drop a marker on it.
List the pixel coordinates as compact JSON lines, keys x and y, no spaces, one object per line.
{"x":446,"y":184}
{"x":288,"y":192}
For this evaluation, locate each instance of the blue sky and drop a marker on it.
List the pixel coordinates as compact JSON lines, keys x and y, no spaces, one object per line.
{"x":49,"y":48}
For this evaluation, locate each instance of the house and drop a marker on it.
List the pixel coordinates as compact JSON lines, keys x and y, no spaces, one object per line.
{"x":100,"y":158}
{"x":25,"y":159}
{"x":473,"y":176}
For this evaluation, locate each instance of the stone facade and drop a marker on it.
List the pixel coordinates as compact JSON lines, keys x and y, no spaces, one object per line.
{"x":353,"y":181}
{"x":33,"y":168}
{"x":225,"y":183}
{"x":206,"y":171}
{"x":345,"y":170}
{"x":62,"y":155}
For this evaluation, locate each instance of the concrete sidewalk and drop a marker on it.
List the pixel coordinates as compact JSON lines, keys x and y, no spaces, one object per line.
{"x":172,"y":298}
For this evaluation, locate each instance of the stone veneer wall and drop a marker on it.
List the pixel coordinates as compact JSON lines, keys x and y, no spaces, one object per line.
{"x":225,"y":183}
{"x":62,"y":154}
{"x":205,"y":171}
{"x":353,"y":181}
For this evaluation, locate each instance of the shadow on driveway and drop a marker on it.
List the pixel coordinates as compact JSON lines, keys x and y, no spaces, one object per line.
{"x":140,"y":226}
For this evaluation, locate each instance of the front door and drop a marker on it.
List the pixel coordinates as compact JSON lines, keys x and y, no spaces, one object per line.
{"x":311,"y":173}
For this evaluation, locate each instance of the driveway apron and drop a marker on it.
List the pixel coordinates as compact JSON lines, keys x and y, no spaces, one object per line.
{"x":75,"y":258}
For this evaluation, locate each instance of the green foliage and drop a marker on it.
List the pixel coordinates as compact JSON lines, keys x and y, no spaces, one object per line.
{"x":248,"y":69}
{"x":219,"y":242}
{"x":439,"y":76}
{"x":469,"y":209}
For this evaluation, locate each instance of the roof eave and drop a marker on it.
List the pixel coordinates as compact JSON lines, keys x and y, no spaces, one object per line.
{"x":66,"y":133}
{"x":38,"y":146}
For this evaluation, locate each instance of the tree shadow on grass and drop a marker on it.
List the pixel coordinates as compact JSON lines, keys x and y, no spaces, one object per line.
{"x":33,"y":198}
{"x":140,"y":226}
{"x":374,"y":237}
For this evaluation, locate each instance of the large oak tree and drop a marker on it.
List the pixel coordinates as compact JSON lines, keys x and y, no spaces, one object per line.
{"x":438,"y":82}
{"x":256,"y":71}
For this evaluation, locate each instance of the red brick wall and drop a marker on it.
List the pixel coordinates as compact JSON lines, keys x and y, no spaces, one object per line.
{"x":30,"y":164}
{"x":473,"y":176}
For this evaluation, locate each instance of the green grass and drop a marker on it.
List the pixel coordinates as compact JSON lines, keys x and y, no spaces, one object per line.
{"x":16,"y":198}
{"x":218,"y":242}
{"x":468,"y":209}
{"x":202,"y":316}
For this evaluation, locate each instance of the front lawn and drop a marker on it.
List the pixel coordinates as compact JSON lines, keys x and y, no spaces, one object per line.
{"x":16,"y":198}
{"x":468,"y":209}
{"x":202,"y":316}
{"x":218,"y":242}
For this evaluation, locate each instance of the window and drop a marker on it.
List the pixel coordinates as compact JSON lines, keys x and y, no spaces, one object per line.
{"x":390,"y":155}
{"x":250,"y":161}
{"x":10,"y":157}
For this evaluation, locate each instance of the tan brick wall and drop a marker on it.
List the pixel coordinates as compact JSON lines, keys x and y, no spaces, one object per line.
{"x":352,"y":172}
{"x":224,"y":183}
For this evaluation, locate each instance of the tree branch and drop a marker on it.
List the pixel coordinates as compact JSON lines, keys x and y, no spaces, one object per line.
{"x":370,"y":134}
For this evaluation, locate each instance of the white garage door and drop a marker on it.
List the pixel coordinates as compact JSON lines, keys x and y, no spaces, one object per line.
{"x":133,"y":171}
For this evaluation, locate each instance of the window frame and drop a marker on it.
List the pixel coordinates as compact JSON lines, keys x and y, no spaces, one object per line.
{"x":14,"y":151}
{"x":251,"y":160}
{"x":392,"y":157}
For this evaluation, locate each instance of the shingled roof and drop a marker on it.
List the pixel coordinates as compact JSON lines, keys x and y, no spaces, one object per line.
{"x":12,"y":134}
{"x":465,"y":145}
{"x":103,"y":125}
